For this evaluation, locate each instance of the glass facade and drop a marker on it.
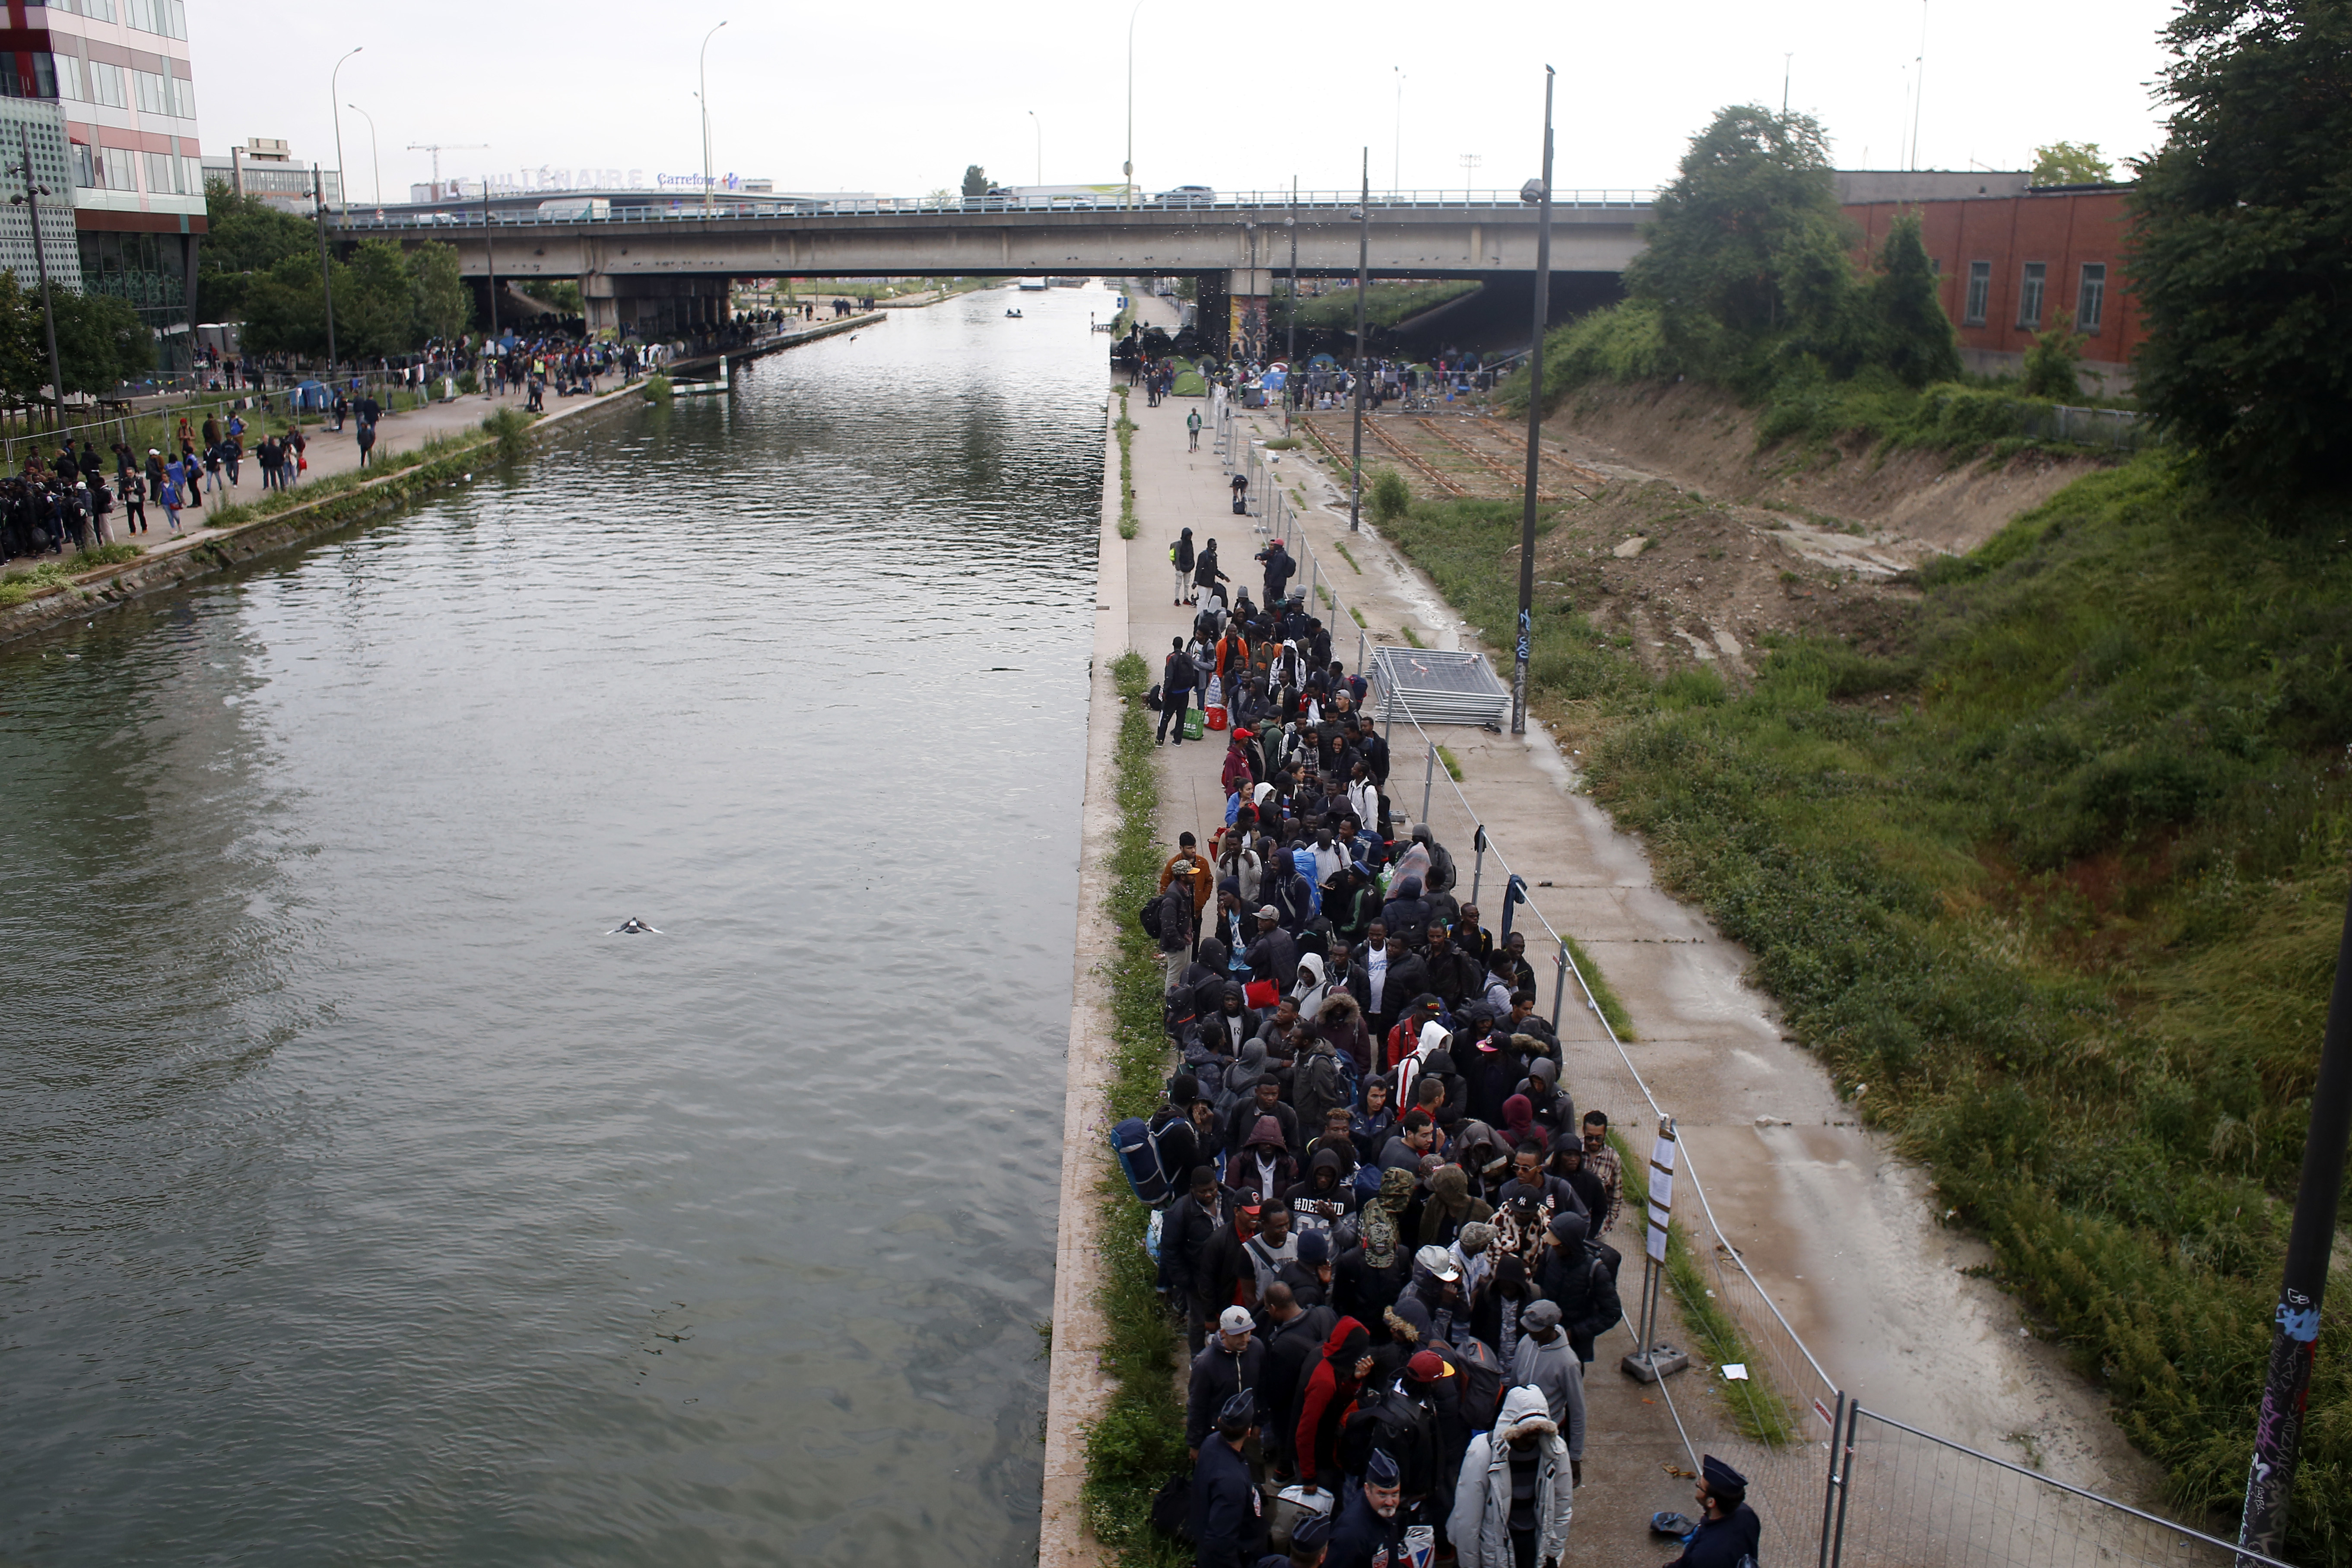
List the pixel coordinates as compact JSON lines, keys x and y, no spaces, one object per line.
{"x":151,"y":270}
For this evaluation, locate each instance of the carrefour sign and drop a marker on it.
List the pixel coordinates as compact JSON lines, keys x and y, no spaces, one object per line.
{"x":715,"y":181}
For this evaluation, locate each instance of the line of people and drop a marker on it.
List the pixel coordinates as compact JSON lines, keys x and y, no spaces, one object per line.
{"x":1386,"y":1223}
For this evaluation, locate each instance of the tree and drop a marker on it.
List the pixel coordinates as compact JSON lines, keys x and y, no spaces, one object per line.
{"x":101,"y":341}
{"x":1916,"y":340}
{"x":1748,"y":238}
{"x":244,"y":236}
{"x":375,"y":302}
{"x":975,"y":180}
{"x":2071,"y":163}
{"x":24,"y":356}
{"x":443,"y":306}
{"x":2242,"y":257}
{"x":2050,"y":364}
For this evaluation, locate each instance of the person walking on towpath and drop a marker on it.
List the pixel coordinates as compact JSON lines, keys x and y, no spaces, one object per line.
{"x":1181,"y":556}
{"x":1192,"y":429}
{"x":1176,"y":678}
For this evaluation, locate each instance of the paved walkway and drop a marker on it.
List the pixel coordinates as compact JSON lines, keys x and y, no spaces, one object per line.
{"x":329,"y":453}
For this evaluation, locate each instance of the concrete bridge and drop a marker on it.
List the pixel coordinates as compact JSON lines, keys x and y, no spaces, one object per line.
{"x":666,"y":270}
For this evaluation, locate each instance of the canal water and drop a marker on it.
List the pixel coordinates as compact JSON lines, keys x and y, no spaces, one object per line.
{"x":362,"y":1201}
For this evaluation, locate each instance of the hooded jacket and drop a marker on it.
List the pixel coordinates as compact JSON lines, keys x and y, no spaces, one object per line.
{"x":1311,"y":990}
{"x":1323,"y":1406}
{"x":1557,"y":1377}
{"x":1407,"y":914}
{"x":1480,"y":1524}
{"x":1434,"y":1038}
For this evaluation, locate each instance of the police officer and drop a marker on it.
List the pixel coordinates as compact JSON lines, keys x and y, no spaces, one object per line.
{"x":1728,"y":1528}
{"x":1227,"y":1531}
{"x":1371,"y":1530}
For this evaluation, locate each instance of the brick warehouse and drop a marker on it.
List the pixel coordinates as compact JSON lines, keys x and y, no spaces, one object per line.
{"x":2012,"y":260}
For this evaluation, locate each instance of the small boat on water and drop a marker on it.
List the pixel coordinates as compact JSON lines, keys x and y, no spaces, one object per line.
{"x":1014,"y":314}
{"x":1031,"y":285}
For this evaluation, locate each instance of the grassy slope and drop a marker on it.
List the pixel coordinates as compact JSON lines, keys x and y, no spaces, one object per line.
{"x":2061,"y":882}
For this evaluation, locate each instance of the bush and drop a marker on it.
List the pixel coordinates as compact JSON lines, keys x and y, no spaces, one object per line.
{"x":2050,"y":364}
{"x":659,"y":391}
{"x":1390,"y":496}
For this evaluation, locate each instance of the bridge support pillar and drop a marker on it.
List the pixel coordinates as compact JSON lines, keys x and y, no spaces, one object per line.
{"x":654,"y":307}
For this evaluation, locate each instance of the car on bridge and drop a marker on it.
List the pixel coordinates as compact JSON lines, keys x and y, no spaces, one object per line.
{"x":1186,"y":196}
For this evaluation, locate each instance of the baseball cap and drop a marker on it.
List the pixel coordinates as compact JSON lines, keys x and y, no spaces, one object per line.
{"x":1234,"y":1321}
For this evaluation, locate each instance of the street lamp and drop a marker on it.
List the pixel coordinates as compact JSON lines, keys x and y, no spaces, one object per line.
{"x":30,"y":199}
{"x":1363,"y":361}
{"x":1538,"y":192}
{"x":1040,"y":145}
{"x":704,"y":98}
{"x":335,"y":101}
{"x":374,"y":163}
{"x":1396,"y":154}
{"x":1128,"y":171}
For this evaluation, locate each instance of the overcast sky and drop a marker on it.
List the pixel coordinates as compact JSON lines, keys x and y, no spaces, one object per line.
{"x":1237,"y":97}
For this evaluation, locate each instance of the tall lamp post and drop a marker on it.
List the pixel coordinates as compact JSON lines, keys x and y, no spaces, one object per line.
{"x":703,"y":97}
{"x":29,"y":198}
{"x":1539,"y":192}
{"x":326,"y":273}
{"x":1127,"y":171}
{"x":1290,"y":339}
{"x":375,"y":163}
{"x":1040,"y":126}
{"x":1363,"y":282}
{"x":335,"y":97}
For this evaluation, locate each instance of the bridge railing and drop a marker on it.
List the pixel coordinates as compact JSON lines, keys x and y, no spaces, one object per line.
{"x":689,"y":210}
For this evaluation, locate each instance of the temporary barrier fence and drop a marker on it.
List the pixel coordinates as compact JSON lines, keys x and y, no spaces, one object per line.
{"x":1832,"y":1483}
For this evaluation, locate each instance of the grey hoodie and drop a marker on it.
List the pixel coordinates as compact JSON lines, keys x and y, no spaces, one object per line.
{"x":1554,"y":1371}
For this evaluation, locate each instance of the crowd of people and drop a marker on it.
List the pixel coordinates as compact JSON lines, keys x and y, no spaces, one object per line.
{"x":66,"y":498}
{"x":1384,"y":1223}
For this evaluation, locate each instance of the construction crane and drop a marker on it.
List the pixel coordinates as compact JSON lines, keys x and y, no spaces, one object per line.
{"x":437,"y":148}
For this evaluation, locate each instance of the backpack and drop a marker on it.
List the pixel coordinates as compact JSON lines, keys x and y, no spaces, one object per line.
{"x":1138,"y":1160}
{"x":1405,"y":1427}
{"x":1171,"y":1507}
{"x":1149,"y":918}
{"x":1151,"y":697}
{"x":1482,"y":1381}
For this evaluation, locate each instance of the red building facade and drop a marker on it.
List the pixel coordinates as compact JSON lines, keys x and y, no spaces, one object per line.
{"x":2013,"y":266}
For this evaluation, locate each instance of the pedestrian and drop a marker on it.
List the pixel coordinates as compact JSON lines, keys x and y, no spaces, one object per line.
{"x":134,"y":501}
{"x":1176,"y":676}
{"x":1234,"y":1364}
{"x":1516,"y":1495}
{"x":1227,"y":1528}
{"x":1181,"y":556}
{"x":1370,"y":1531}
{"x":1729,"y":1531}
{"x":367,"y":442}
{"x":1547,"y":1363}
{"x":1192,"y":429}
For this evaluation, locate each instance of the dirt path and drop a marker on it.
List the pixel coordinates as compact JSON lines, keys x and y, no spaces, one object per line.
{"x":1845,"y":1235}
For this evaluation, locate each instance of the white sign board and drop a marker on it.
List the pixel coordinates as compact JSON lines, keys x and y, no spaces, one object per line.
{"x":1662,"y":1195}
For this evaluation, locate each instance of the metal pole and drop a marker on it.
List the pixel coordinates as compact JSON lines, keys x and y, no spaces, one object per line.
{"x":1359,"y":650}
{"x":1478,"y":866}
{"x":1559,"y":988}
{"x":490,"y":261}
{"x":326,"y":272}
{"x":703,"y":98}
{"x":1428,"y":777}
{"x":376,"y":159}
{"x":1830,"y":1490}
{"x":41,"y":262}
{"x":1844,"y":1445}
{"x":2278,"y":1430}
{"x":1522,"y":645}
{"x":335,"y":102}
{"x":1127,"y":170}
{"x":1290,"y":344}
{"x":1364,"y":278}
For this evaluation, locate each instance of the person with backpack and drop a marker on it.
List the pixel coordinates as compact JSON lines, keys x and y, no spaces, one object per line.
{"x":1177,"y":675}
{"x":1206,"y":574}
{"x":1169,"y":919}
{"x":1578,"y":1278}
{"x":1326,"y":1398}
{"x":1294,"y":1337}
{"x":1517,"y":1493}
{"x":1192,"y":430}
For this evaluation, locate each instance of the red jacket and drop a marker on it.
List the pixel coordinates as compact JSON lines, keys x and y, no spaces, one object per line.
{"x":1238,"y":774}
{"x":1331,"y":1395}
